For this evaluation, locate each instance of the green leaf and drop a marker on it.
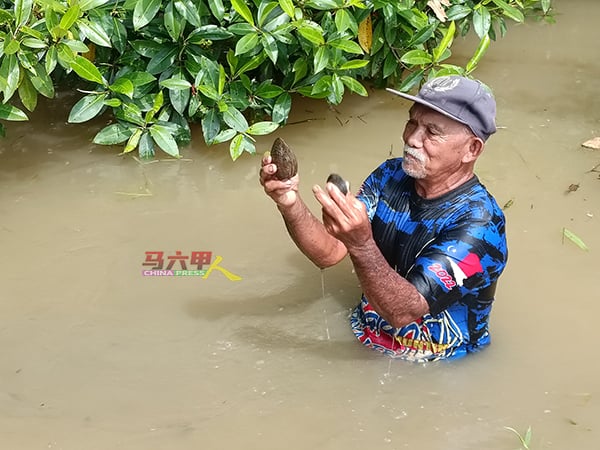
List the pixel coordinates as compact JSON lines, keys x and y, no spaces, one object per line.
{"x":546,"y":6}
{"x":87,"y":108}
{"x":416,"y":57}
{"x":211,"y":32}
{"x":208,"y":91}
{"x":264,"y":12}
{"x":112,"y":134}
{"x":300,"y":69}
{"x":146,"y":146}
{"x":268,"y":90}
{"x":246,"y":43}
{"x":211,"y":126}
{"x":130,"y":112}
{"x":311,"y":32}
{"x":321,"y":59}
{"x":423,"y":35}
{"x":164,"y":59}
{"x":176,"y":83}
{"x":253,"y":63}
{"x":445,"y":43}
{"x":324,"y":4}
{"x":42,"y":82}
{"x":243,"y":10}
{"x":270,"y":45}
{"x":34,"y":43}
{"x":9,"y":112}
{"x":11,"y":46}
{"x":173,"y":21}
{"x":241,"y":28}
{"x":51,"y":59}
{"x":5,"y":17}
{"x":144,"y":12}
{"x":123,"y":86}
{"x":134,"y":140}
{"x":217,"y":9}
{"x":140,"y":78}
{"x":95,"y":33}
{"x":282,"y":108}
{"x":262,"y":128}
{"x":342,"y":20}
{"x":159,"y":101}
{"x":322,"y":86}
{"x":235,"y":119}
{"x":575,"y":239}
{"x":484,"y":43}
{"x":288,"y":7}
{"x":180,"y":98}
{"x":164,"y":139}
{"x":9,"y":76}
{"x":23,"y":10}
{"x":27,"y":60}
{"x":28,"y":94}
{"x":354,"y":85}
{"x":337,"y":90}
{"x":527,"y":437}
{"x":113,"y":102}
{"x":86,"y":70}
{"x":119,"y":36}
{"x":75,"y":46}
{"x":354,"y":64}
{"x":346,"y":46}
{"x":189,"y":11}
{"x":457,"y":12}
{"x":148,"y":49}
{"x":510,"y":11}
{"x":236,"y":147}
{"x":65,"y":55}
{"x":411,"y":80}
{"x":86,"y":5}
{"x":72,"y":14}
{"x":482,"y":20}
{"x":224,"y":136}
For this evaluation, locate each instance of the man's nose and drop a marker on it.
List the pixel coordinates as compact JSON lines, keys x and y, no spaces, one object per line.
{"x":413,"y":137}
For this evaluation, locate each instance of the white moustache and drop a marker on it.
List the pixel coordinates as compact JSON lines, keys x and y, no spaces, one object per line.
{"x":414,"y":153}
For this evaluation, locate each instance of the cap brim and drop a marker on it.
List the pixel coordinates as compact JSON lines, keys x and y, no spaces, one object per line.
{"x":426,"y":103}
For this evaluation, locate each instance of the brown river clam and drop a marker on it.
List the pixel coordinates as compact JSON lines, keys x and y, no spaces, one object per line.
{"x":285,"y":160}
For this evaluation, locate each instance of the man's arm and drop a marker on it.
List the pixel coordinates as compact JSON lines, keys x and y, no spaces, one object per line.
{"x":307,"y":232}
{"x":392,"y":296}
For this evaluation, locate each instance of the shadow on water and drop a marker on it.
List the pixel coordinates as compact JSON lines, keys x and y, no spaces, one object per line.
{"x":299,"y":295}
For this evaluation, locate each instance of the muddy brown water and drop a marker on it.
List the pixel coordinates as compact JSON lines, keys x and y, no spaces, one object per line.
{"x":97,"y":356}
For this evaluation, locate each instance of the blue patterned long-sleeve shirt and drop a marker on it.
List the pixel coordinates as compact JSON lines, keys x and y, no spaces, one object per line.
{"x":452,"y":249}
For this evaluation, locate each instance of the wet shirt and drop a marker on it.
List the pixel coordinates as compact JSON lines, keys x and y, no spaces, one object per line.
{"x":452,"y":249}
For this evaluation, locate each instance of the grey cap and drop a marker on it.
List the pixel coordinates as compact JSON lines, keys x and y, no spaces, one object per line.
{"x":467,"y":101}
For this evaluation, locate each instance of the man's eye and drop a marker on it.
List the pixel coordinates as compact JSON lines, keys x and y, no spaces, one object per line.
{"x":433,"y":131}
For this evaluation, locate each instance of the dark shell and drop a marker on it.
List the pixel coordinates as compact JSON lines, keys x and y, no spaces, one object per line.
{"x":339,"y":182}
{"x":285,"y":160}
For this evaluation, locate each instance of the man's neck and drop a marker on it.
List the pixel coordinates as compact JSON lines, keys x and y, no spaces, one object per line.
{"x":434,"y":188}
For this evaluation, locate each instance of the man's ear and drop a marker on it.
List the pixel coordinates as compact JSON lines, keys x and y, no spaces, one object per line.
{"x":474,"y":150}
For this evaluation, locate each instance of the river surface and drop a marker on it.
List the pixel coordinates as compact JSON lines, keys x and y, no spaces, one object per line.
{"x":96,"y":356}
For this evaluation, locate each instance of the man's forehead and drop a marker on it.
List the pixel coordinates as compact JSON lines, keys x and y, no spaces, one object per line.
{"x":431,"y":116}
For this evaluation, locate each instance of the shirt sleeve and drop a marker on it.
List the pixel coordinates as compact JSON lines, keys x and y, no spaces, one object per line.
{"x":462,"y":264}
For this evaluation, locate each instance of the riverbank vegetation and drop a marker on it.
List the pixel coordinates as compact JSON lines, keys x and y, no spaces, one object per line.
{"x":155,"y":66}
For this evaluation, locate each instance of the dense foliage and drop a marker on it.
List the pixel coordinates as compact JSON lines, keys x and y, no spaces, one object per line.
{"x":231,"y":65}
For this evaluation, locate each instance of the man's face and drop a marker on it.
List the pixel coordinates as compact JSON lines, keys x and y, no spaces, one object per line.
{"x":434,"y":144}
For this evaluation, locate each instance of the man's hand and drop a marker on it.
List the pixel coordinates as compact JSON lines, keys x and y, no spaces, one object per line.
{"x":284,"y":193}
{"x":344,"y":216}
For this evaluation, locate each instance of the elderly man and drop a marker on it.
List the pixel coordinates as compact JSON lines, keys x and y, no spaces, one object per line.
{"x":426,"y":239}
